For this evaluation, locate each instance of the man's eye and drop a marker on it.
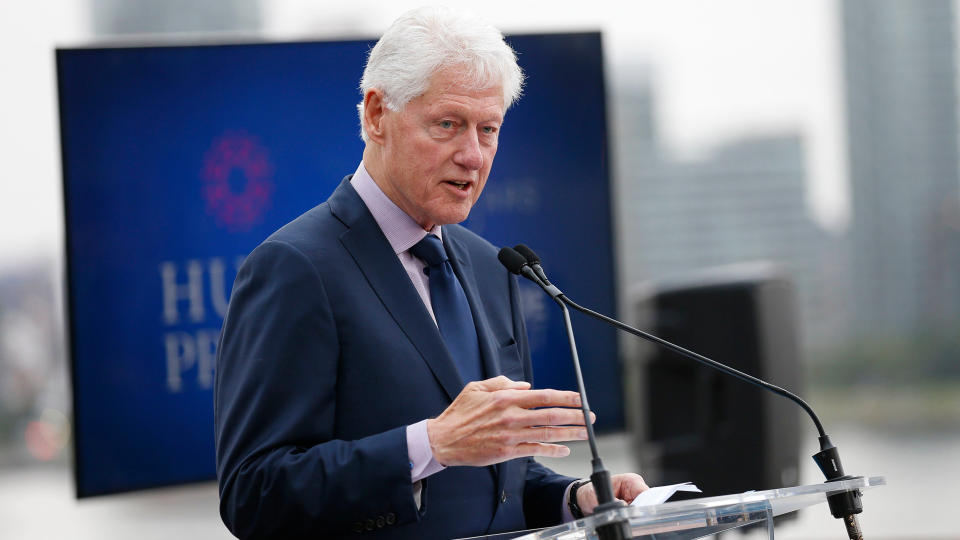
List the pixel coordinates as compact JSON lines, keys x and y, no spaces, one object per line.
{"x":489,"y":129}
{"x":446,"y":124}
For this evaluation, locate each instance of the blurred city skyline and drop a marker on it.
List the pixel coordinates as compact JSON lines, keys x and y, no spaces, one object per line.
{"x":716,"y":71}
{"x":702,"y":100}
{"x":746,"y":112}
{"x":728,"y":128}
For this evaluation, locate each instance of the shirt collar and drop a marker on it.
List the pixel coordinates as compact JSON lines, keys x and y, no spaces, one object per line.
{"x":400,"y":229}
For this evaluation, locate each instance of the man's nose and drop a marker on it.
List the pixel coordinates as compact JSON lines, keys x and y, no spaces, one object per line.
{"x":469,"y":154}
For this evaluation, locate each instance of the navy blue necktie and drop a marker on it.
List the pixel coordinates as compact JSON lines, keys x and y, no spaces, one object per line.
{"x":450,"y":308}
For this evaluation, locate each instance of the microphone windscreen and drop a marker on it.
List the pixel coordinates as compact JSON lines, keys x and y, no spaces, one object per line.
{"x":512,"y":260}
{"x":527,"y":253}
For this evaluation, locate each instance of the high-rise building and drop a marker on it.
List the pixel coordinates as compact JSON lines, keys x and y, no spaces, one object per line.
{"x":901,"y":99}
{"x":117,"y":17}
{"x":743,"y":202}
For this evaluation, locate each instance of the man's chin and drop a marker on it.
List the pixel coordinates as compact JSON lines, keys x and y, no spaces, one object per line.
{"x":452,"y":217}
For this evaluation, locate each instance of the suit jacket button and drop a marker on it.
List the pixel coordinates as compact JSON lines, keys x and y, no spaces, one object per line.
{"x":391,"y":519}
{"x":381,"y":522}
{"x":503,"y":496}
{"x":369,"y":524}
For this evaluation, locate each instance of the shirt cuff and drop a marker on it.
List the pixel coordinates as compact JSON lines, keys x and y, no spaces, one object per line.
{"x":422,"y":462}
{"x":566,"y":514}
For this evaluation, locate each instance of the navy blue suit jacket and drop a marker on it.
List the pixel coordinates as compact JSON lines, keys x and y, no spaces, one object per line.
{"x":327,"y":353}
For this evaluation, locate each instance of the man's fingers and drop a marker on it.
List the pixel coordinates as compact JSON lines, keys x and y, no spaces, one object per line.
{"x":499,"y":382}
{"x":545,"y":434}
{"x":552,"y":417}
{"x":533,"y":449}
{"x":546,"y":398}
{"x":628,"y":486}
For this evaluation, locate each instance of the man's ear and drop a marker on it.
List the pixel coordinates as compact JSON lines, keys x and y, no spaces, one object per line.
{"x":374,"y":112}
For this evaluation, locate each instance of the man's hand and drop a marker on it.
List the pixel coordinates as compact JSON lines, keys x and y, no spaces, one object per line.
{"x":626,"y":487}
{"x":495,"y":420}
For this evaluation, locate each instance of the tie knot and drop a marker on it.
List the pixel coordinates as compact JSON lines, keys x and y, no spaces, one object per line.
{"x":430,"y":250}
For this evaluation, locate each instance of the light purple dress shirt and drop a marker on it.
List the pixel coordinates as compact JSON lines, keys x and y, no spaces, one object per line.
{"x":402,"y":233}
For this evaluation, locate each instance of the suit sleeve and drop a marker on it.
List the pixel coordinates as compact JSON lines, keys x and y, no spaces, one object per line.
{"x":543,"y":489}
{"x":543,"y":496}
{"x":281,"y":472}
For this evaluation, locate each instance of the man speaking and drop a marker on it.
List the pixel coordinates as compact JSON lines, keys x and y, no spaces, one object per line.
{"x":373,"y":370}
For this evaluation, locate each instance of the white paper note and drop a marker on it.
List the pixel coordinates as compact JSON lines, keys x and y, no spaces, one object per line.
{"x":659,"y":494}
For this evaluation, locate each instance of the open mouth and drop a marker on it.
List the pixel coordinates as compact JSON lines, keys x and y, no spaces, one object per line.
{"x":462,"y":186}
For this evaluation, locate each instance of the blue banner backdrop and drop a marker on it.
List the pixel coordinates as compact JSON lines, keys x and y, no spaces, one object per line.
{"x":177,"y":161}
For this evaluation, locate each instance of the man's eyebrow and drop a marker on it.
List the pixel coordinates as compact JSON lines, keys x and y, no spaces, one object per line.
{"x":459,"y":110}
{"x":498,"y":118}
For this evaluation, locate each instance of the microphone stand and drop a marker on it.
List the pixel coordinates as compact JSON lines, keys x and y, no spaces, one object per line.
{"x":843,"y":505}
{"x":600,"y":477}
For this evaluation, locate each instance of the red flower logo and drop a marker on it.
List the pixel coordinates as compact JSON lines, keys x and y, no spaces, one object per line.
{"x":238,"y":181}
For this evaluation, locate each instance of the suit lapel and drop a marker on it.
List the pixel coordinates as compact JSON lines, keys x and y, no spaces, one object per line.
{"x":387,"y":277}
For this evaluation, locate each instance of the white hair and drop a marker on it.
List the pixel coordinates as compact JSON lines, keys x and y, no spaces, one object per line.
{"x":423,"y":41}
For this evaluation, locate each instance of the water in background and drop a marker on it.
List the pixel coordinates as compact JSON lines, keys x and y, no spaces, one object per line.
{"x":919,"y":501}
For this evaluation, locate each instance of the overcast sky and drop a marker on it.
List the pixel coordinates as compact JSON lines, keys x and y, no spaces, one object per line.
{"x":719,"y":69}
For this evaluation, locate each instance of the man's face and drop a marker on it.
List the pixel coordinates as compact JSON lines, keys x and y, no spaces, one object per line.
{"x":437,"y":151}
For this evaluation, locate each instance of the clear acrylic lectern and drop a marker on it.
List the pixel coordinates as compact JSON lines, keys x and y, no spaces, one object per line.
{"x":696,"y":518}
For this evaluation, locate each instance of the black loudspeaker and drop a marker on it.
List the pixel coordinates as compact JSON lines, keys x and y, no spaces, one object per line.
{"x":698,"y":424}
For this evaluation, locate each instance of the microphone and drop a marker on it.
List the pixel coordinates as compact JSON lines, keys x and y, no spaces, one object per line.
{"x":516,"y":263}
{"x":600,"y":477}
{"x":533,"y":261}
{"x":843,"y":505}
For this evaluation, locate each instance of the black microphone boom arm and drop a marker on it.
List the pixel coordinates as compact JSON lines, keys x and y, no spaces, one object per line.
{"x":844,"y":505}
{"x":600,"y":478}
{"x":702,"y":359}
